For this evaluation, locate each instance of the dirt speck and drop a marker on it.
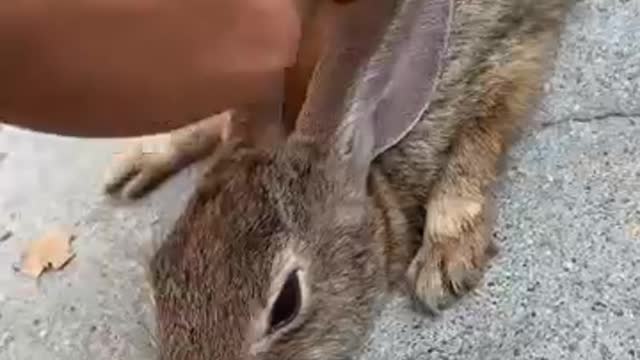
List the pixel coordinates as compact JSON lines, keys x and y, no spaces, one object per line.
{"x":5,"y":234}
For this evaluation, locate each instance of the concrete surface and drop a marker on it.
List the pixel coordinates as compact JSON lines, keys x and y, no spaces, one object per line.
{"x":566,"y":286}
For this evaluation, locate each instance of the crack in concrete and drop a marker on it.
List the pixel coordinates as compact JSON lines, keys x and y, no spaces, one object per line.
{"x":595,"y":118}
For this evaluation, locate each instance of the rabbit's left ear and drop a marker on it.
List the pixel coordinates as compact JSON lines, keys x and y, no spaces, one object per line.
{"x":403,"y":73}
{"x":376,"y":77}
{"x":335,"y":115}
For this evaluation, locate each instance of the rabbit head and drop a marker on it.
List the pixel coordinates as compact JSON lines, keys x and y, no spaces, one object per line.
{"x":272,"y":259}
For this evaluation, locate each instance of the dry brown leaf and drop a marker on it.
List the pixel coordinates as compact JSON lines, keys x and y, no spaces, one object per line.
{"x":50,"y":252}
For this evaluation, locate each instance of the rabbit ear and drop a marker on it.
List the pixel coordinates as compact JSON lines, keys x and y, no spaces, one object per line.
{"x":376,"y":76}
{"x":405,"y":68}
{"x":335,"y":115}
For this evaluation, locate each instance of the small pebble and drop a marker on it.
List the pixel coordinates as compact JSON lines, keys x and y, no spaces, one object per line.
{"x":567,"y":266}
{"x":5,"y":339}
{"x":5,"y":235}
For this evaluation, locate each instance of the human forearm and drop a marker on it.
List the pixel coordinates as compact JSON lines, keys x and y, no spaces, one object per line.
{"x":110,"y":68}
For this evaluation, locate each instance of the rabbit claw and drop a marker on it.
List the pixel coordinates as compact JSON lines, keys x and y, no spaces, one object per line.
{"x":448,"y":267}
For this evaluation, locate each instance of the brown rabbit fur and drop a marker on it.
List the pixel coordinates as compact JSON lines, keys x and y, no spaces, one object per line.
{"x":285,"y":252}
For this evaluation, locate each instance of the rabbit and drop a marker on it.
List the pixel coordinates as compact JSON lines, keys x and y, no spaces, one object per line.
{"x":288,"y":251}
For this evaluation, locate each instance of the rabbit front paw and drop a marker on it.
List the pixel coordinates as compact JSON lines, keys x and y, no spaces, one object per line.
{"x":135,"y":172}
{"x":143,"y":166}
{"x":454,"y":255}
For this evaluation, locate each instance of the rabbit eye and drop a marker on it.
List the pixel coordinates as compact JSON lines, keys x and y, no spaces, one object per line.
{"x":287,"y":305}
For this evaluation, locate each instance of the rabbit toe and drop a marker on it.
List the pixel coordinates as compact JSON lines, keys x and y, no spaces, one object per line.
{"x":134,"y":173}
{"x":447,"y":268}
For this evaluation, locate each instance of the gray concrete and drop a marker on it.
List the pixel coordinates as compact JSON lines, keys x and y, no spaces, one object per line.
{"x":566,"y":286}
